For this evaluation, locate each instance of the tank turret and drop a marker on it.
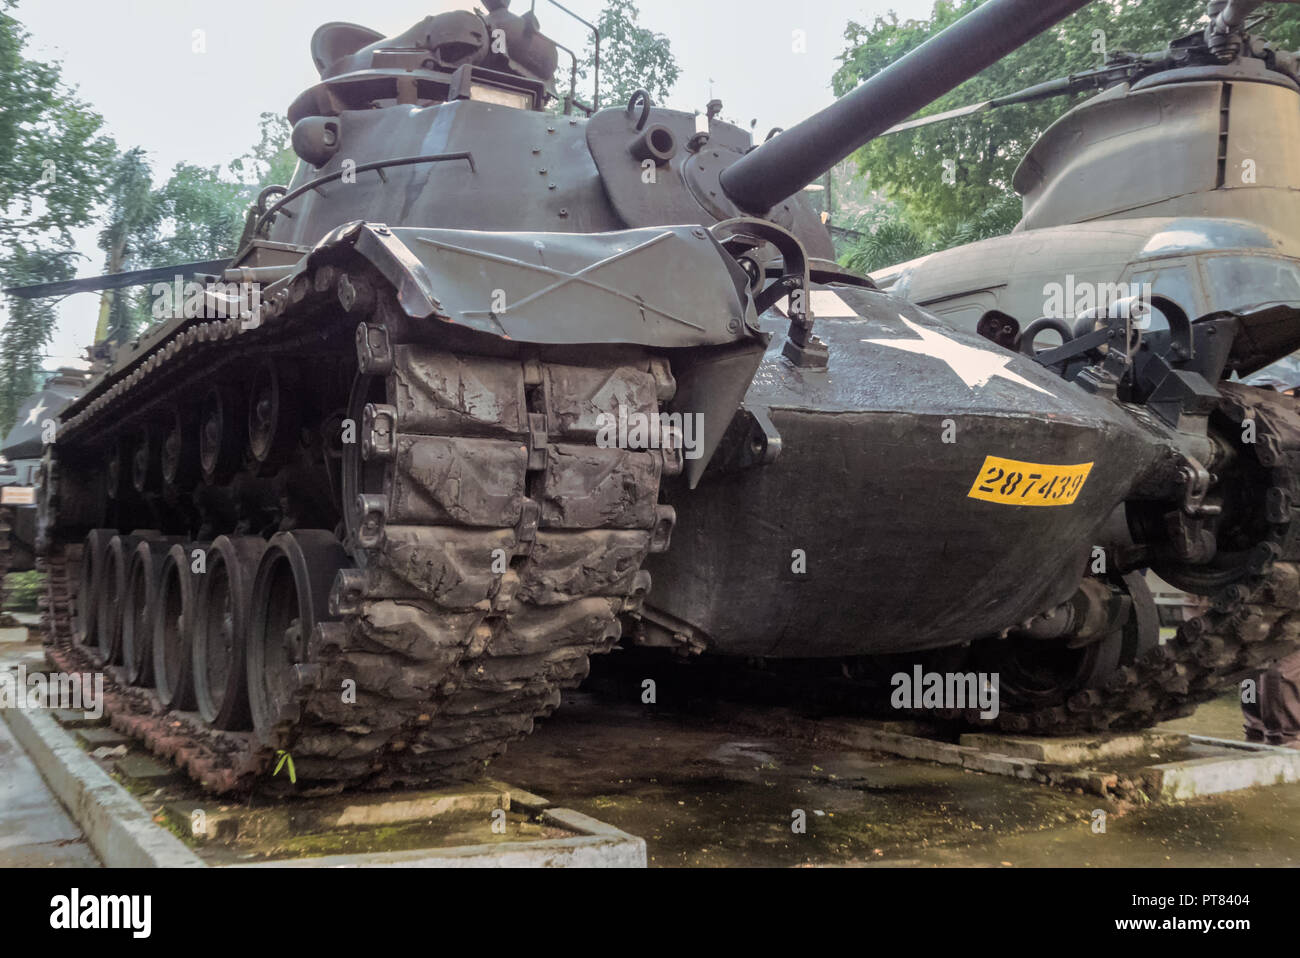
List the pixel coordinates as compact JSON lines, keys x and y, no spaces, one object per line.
{"x":421,"y":114}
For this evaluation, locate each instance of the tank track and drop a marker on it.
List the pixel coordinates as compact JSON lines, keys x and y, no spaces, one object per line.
{"x":1250,"y":622}
{"x":60,"y":568}
{"x":503,"y":551}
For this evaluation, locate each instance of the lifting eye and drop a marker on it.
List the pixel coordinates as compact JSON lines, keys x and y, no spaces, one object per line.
{"x":1043,"y":323}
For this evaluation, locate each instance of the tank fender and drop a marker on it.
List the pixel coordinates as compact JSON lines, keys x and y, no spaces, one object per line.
{"x":673,"y":288}
{"x":663,"y":287}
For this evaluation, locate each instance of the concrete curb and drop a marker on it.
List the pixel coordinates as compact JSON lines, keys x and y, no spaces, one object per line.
{"x":1242,"y":765}
{"x":118,"y":829}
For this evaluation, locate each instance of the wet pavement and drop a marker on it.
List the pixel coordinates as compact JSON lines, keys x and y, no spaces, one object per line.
{"x":701,"y":793}
{"x":35,"y":831}
{"x":704,"y":790}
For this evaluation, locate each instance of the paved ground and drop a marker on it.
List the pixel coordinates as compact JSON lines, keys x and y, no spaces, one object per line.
{"x":701,"y":794}
{"x":35,"y":831}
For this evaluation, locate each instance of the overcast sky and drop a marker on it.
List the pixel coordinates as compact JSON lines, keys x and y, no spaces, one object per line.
{"x":133,"y":61}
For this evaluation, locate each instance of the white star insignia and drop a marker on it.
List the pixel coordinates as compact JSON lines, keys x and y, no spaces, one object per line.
{"x":975,"y":366}
{"x":34,"y":413}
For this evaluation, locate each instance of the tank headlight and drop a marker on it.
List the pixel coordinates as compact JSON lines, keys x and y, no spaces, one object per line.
{"x":491,"y":94}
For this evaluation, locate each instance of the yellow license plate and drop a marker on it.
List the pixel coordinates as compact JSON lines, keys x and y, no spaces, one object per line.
{"x":1017,"y":483}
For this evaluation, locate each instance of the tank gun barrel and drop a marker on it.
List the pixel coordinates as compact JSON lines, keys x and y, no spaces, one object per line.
{"x":789,"y":162}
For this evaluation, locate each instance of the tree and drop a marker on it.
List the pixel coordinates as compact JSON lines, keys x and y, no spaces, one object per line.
{"x":271,"y":161}
{"x":205,"y":214}
{"x":30,"y":324}
{"x":54,"y":162}
{"x":891,"y":237}
{"x":198,"y":214}
{"x":631,"y":57}
{"x":886,"y":243}
{"x":129,"y":234}
{"x":57,"y":168}
{"x":53,"y":157}
{"x":987,"y":147}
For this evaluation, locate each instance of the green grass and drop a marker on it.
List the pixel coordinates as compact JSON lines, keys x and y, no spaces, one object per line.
{"x":23,"y":589}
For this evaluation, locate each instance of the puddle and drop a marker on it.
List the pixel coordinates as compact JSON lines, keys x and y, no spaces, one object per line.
{"x":699,"y":795}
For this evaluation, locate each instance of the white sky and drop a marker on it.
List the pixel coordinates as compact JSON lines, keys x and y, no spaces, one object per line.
{"x":133,"y":62}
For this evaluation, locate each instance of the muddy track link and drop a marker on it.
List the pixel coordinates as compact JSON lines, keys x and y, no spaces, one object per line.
{"x":1250,"y":622}
{"x":60,"y":568}
{"x":494,"y":548}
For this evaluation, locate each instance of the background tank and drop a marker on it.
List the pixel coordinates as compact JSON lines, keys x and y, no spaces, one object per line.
{"x":21,"y":453}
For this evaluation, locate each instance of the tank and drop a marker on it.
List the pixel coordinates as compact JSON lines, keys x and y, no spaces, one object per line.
{"x":488,"y":389}
{"x":20,"y":462}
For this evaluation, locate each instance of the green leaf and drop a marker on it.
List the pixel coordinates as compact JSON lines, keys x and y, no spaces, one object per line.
{"x":285,"y":758}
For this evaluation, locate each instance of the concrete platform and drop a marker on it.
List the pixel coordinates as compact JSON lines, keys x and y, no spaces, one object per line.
{"x":475,"y":825}
{"x":1227,"y":766}
{"x":93,"y":737}
{"x":18,"y":632}
{"x":1155,"y":765}
{"x":203,"y":820}
{"x":1076,"y":750}
{"x":590,"y":844}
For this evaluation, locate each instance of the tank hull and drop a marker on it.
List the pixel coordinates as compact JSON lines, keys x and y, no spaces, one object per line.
{"x":836,"y":546}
